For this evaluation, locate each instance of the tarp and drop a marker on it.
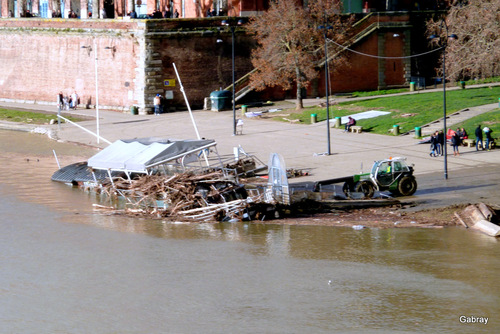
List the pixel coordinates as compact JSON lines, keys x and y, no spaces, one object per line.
{"x":138,"y":155}
{"x":364,"y":115}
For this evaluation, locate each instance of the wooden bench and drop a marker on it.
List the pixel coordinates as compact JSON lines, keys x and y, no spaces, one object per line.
{"x":469,"y":142}
{"x":356,"y":128}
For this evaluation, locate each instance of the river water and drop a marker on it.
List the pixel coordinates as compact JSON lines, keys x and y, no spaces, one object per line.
{"x":67,"y":269}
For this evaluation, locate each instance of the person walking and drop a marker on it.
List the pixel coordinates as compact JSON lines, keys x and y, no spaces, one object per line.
{"x":487,"y":134}
{"x":455,"y":141}
{"x":440,"y":143}
{"x":479,"y":137}
{"x":157,"y":104}
{"x":434,"y":143}
{"x":60,"y":101}
{"x":74,"y":100}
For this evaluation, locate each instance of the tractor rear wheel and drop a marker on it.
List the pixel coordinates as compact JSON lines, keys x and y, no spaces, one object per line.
{"x":407,"y":186}
{"x":365,"y":187}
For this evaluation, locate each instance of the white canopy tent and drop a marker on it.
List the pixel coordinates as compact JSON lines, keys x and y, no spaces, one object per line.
{"x":141,"y":155}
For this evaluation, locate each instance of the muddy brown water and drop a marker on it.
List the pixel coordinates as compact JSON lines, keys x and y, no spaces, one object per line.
{"x":67,"y":269}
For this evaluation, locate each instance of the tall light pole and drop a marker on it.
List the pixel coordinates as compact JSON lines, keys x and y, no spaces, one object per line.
{"x":327,"y":77}
{"x":443,"y":43}
{"x":89,"y":50}
{"x":233,"y":27}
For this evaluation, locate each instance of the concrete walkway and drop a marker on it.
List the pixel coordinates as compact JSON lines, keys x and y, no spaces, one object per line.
{"x":302,"y":146}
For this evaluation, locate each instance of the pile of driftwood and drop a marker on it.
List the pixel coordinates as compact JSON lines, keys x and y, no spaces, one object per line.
{"x":479,"y":217}
{"x":187,"y":196}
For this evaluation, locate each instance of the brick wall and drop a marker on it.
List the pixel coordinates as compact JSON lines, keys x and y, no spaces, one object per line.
{"x":40,"y":57}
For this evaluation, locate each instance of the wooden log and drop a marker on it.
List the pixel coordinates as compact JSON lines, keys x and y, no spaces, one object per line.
{"x":460,"y":220}
{"x":473,"y":214}
{"x":486,"y":211}
{"x":487,"y":228}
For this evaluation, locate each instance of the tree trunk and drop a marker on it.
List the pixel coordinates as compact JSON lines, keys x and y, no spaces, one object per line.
{"x":299,"y":104}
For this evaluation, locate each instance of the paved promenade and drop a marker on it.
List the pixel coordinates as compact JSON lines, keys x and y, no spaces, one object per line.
{"x":302,"y":146}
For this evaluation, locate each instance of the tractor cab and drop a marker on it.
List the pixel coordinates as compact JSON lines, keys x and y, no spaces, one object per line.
{"x":386,"y":172}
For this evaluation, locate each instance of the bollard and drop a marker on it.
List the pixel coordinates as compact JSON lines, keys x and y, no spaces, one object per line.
{"x":395,"y":130}
{"x":243,"y":109}
{"x":412,"y":86}
{"x":314,"y":118}
{"x":418,"y":132}
{"x":338,"y":121}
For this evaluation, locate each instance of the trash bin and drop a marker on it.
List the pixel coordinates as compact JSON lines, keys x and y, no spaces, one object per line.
{"x":221,"y":100}
{"x":338,"y":122}
{"x":243,"y":109}
{"x":134,"y":110}
{"x":314,"y":118}
{"x":395,"y":129}
{"x":418,"y":132}
{"x":462,"y":84}
{"x":499,"y":102}
{"x":412,"y":86}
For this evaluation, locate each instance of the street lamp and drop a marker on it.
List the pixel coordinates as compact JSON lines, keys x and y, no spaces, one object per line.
{"x":232,"y":27}
{"x":325,"y":30}
{"x":89,"y":50}
{"x":443,"y":43}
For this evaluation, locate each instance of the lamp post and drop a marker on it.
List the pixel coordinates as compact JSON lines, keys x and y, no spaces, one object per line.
{"x":443,"y":43}
{"x":232,"y":28}
{"x":325,"y":29}
{"x":89,"y":50}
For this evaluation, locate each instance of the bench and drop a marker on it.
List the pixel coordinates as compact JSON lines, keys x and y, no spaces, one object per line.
{"x":469,"y":142}
{"x":356,"y":128}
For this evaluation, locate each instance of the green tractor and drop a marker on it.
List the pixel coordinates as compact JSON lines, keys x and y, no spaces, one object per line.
{"x":393,"y":175}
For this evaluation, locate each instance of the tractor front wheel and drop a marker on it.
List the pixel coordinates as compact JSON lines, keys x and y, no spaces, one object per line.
{"x":407,"y":186}
{"x":365,"y":187}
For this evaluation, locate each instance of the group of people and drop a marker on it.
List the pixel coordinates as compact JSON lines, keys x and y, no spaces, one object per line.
{"x":457,"y":138}
{"x":66,"y":102}
{"x":157,"y":14}
{"x":159,"y":104}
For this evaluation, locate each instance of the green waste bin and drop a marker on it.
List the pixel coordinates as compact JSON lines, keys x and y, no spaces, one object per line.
{"x":418,"y":132}
{"x":499,"y":102}
{"x":243,"y":109}
{"x":395,"y":130}
{"x":314,"y":118}
{"x":134,"y":110}
{"x":462,"y":84}
{"x":221,"y":100}
{"x":338,"y":122}
{"x":412,"y":86}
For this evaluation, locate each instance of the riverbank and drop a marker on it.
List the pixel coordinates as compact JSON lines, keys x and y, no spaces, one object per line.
{"x":471,"y":178}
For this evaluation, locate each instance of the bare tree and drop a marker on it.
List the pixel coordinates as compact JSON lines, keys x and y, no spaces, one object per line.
{"x":476,"y":52}
{"x":289,"y":43}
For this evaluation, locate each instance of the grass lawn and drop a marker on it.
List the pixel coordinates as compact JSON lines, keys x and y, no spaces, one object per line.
{"x":30,"y":117}
{"x":407,"y":111}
